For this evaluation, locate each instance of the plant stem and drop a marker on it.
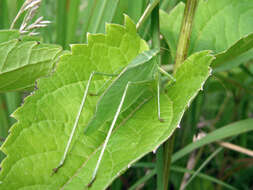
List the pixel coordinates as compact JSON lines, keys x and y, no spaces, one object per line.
{"x":182,"y":50}
{"x":185,"y":33}
{"x":168,"y":149}
{"x":147,"y":12}
{"x":156,"y":44}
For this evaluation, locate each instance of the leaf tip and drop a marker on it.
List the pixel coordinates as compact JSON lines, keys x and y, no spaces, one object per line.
{"x":129,"y":23}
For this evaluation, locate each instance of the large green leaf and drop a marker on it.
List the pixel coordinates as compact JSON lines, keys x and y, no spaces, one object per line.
{"x":223,"y":26}
{"x":22,"y":61}
{"x":37,"y":141}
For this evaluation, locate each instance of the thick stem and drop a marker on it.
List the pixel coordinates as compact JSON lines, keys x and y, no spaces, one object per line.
{"x":168,"y":149}
{"x":185,"y":33}
{"x":182,"y":50}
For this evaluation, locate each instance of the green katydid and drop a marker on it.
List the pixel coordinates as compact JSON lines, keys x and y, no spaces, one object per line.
{"x":123,"y":92}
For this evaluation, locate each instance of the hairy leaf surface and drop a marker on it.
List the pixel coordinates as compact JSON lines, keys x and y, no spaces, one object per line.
{"x":22,"y":61}
{"x":223,"y":26}
{"x":37,"y":141}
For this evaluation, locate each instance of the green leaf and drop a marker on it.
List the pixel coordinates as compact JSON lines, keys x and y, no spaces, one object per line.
{"x":223,"y":26}
{"x":23,"y":61}
{"x":237,"y":54}
{"x":6,"y":35}
{"x":37,"y":141}
{"x":190,"y":79}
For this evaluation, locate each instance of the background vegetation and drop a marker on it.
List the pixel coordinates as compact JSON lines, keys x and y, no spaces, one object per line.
{"x":227,"y":96}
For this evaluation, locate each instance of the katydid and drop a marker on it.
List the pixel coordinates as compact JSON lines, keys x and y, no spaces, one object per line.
{"x":123,"y":92}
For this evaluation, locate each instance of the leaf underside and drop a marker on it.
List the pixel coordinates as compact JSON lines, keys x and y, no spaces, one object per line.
{"x":37,"y":141}
{"x":223,"y":26}
{"x":22,"y":61}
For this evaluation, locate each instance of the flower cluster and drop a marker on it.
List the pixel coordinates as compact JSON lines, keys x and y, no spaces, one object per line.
{"x":30,"y":7}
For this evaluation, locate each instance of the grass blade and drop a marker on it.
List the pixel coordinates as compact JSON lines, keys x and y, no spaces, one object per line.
{"x":152,"y":173}
{"x":98,"y":13}
{"x":61,"y":24}
{"x":143,"y":179}
{"x":72,"y":20}
{"x":203,"y":165}
{"x":204,"y":176}
{"x":233,"y":129}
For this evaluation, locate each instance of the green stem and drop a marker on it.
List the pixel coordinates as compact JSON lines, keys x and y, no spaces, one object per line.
{"x":185,"y":33}
{"x":147,"y":12}
{"x":156,"y":44}
{"x":182,"y":50}
{"x":168,"y":149}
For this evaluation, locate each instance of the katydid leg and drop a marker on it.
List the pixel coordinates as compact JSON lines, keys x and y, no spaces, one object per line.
{"x":78,"y":117}
{"x":158,"y":99}
{"x":161,"y":71}
{"x":109,"y":134}
{"x":112,"y":126}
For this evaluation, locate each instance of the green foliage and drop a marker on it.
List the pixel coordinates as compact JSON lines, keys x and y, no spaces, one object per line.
{"x":37,"y":140}
{"x":222,"y":26}
{"x":23,"y":61}
{"x":58,"y":99}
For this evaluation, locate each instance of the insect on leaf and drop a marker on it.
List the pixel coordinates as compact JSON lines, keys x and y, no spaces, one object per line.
{"x":36,"y":142}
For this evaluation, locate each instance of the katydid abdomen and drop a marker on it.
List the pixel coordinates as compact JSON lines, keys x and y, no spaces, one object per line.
{"x":141,"y":70}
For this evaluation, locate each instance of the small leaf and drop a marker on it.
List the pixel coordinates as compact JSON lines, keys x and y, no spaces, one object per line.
{"x":237,"y":54}
{"x":23,"y":61}
{"x":223,"y":26}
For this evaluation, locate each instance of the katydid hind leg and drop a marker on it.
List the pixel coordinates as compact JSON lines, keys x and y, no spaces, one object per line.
{"x":77,"y":119}
{"x":158,"y":99}
{"x":161,"y":70}
{"x":109,"y":134}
